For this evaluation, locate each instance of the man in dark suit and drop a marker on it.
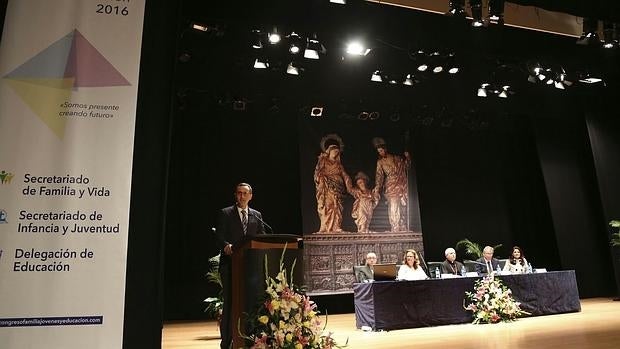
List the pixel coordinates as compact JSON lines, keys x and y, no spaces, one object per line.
{"x":234,"y":224}
{"x":451,"y":265}
{"x":365,"y":273}
{"x":487,"y":264}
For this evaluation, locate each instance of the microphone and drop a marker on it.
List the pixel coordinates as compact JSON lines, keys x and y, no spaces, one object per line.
{"x":261,"y":221}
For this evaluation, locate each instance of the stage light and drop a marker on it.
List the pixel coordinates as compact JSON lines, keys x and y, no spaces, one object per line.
{"x":356,"y":48}
{"x":257,"y":42}
{"x":199,"y":27}
{"x":611,"y":35}
{"x":363,"y":115}
{"x":316,"y":111}
{"x":482,"y":90}
{"x":293,"y":69}
{"x":457,"y":8}
{"x":589,"y":37}
{"x":261,"y":63}
{"x":453,"y":70}
{"x":476,"y":13}
{"x":409,"y":80}
{"x":239,"y":105}
{"x":274,"y":38}
{"x":374,"y":115}
{"x":422,"y":67}
{"x":504,"y":92}
{"x":376,"y":76}
{"x":339,"y":2}
{"x":496,"y":11}
{"x":314,"y":48}
{"x":437,"y":69}
{"x":294,"y":43}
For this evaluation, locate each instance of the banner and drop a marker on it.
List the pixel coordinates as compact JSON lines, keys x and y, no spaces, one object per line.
{"x":68,"y":89}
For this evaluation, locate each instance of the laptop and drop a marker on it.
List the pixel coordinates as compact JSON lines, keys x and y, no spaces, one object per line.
{"x":386,"y":271}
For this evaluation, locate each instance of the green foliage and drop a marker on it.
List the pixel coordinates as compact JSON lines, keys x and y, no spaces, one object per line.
{"x":471,"y":248}
{"x":214,"y":304}
{"x":615,"y":237}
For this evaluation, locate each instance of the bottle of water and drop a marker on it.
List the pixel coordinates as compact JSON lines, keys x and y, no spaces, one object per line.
{"x":499,"y":270}
{"x":437,"y":273}
{"x":463,"y":271}
{"x":529,"y":268}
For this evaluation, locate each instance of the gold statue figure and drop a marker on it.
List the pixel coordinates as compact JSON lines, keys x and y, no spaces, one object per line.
{"x":331,"y":182}
{"x":391,"y":178}
{"x":364,"y":203}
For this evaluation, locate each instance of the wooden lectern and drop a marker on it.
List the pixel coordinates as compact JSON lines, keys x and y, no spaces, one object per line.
{"x":248,"y":274}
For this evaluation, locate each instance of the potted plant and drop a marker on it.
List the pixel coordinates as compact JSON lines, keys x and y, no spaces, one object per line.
{"x":471,"y":248}
{"x":615,"y":237}
{"x":215,"y":304}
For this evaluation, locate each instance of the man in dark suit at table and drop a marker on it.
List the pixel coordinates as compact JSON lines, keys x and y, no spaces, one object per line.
{"x":487,"y":264}
{"x":234,"y":223}
{"x":365,"y":273}
{"x":451,"y":265}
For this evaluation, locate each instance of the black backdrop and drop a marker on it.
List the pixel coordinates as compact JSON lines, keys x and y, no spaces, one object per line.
{"x":516,"y":171}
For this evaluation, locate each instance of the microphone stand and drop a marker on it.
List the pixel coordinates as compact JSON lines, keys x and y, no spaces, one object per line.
{"x":262,"y":222}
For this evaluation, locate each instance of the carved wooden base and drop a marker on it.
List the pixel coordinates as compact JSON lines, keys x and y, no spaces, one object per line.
{"x":329,"y":258}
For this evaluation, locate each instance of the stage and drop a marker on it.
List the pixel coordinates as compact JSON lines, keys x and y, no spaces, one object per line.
{"x":596,"y":326}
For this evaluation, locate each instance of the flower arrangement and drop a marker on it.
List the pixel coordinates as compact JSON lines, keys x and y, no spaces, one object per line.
{"x":287,"y":318}
{"x":492,"y":302}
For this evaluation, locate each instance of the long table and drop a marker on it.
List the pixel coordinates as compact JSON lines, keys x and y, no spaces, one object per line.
{"x":390,"y":305}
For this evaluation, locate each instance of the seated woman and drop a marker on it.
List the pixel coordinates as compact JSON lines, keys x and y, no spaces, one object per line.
{"x":411,"y":269}
{"x":516,"y":264}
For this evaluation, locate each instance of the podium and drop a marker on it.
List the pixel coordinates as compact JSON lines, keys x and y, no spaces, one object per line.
{"x":248,"y":274}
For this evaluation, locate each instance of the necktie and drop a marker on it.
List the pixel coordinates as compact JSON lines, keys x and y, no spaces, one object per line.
{"x":244,"y":221}
{"x":489,"y":268}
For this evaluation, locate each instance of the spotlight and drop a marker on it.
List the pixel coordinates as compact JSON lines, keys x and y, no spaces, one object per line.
{"x":313,"y":48}
{"x":257,"y":42}
{"x":261,"y":63}
{"x":437,"y":69}
{"x":239,"y":105}
{"x":422,"y":67}
{"x":482,"y":90}
{"x":339,"y":2}
{"x":356,"y":48}
{"x":316,"y":112}
{"x":294,"y":43}
{"x":611,"y":35}
{"x":363,"y":115}
{"x":589,"y":37}
{"x":504,"y":92}
{"x":293,"y":69}
{"x":457,"y":8}
{"x":374,"y":115}
{"x":476,"y":13}
{"x":376,"y":76}
{"x":274,"y":38}
{"x":409,"y":80}
{"x":453,"y":70}
{"x":496,"y":11}
{"x":216,"y":30}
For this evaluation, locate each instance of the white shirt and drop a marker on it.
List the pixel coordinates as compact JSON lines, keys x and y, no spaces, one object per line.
{"x":406,"y":273}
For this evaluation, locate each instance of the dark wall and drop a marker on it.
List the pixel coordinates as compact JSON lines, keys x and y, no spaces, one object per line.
{"x":516,"y":171}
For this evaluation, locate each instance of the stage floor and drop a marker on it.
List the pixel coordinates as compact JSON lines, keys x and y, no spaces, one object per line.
{"x":596,"y":326}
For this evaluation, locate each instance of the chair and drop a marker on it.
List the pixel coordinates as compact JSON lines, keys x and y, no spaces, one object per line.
{"x":431,"y":269}
{"x":469,"y":265}
{"x":356,"y":272}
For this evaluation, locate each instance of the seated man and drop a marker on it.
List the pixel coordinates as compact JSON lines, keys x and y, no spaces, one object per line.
{"x":451,"y":265}
{"x":365,"y":273}
{"x":487,"y":264}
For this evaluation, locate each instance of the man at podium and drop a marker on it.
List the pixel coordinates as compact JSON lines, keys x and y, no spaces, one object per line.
{"x":234,"y":224}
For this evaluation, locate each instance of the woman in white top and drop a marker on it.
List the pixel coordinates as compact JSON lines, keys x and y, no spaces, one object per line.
{"x":411,"y":269}
{"x":517,"y":263}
